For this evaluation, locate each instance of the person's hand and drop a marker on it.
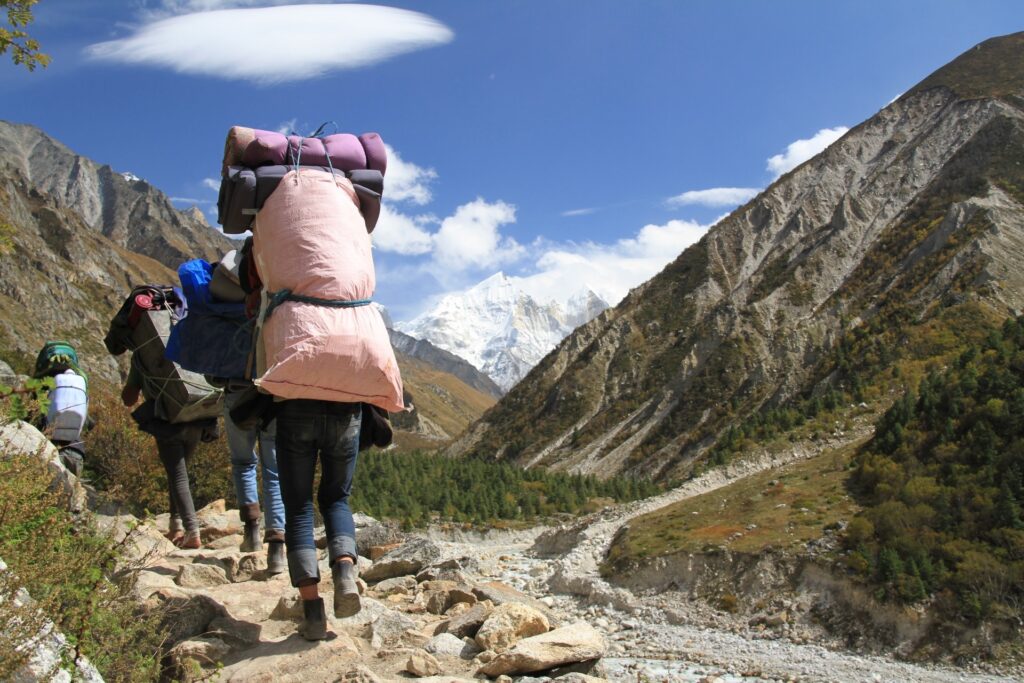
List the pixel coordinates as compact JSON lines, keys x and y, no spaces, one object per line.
{"x":129,"y":395}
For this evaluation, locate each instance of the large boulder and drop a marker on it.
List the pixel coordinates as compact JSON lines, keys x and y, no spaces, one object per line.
{"x":371,"y":532}
{"x":141,"y":543}
{"x":469,"y":622}
{"x":216,"y":521}
{"x":500,"y":593}
{"x":577,"y":642}
{"x":389,"y":629}
{"x":186,"y":616}
{"x":509,"y":623}
{"x":19,"y":438}
{"x":409,"y":558}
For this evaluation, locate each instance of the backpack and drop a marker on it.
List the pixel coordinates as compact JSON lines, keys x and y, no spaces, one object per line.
{"x":55,"y":358}
{"x":143,"y":325}
{"x":215,"y":338}
{"x":69,"y":407}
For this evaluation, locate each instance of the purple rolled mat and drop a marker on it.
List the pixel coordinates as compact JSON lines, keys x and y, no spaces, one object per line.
{"x":376,"y":155}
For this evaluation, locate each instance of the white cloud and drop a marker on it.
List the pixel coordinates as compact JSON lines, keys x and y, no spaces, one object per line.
{"x":407,"y":182}
{"x":273,"y":44}
{"x":714,"y":197}
{"x":191,"y":200}
{"x":401,"y":234}
{"x":800,"y":151}
{"x":610,"y":270}
{"x":470,"y":238}
{"x":212,"y":184}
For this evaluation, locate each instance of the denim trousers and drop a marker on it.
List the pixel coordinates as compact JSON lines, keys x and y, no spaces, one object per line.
{"x":242,"y":445}
{"x":307,"y":431}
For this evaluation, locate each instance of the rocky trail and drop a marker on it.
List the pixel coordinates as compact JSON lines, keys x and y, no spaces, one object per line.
{"x":451,"y":605}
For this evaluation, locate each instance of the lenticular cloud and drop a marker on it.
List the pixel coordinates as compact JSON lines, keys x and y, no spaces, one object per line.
{"x":275,"y":44}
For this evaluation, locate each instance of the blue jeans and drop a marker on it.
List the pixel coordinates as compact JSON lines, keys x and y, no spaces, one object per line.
{"x":308,"y":430}
{"x":242,"y":444}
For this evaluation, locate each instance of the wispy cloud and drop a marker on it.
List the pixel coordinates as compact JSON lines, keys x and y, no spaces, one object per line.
{"x":286,"y":127}
{"x":212,"y":184}
{"x":800,"y":151}
{"x":580,"y":212}
{"x":190,"y":200}
{"x":293,"y":42}
{"x":714,"y":197}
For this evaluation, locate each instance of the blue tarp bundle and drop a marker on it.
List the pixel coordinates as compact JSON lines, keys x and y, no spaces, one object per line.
{"x":215,"y":338}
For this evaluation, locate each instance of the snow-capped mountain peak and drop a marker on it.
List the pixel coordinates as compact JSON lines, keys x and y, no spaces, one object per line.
{"x":500,"y":328}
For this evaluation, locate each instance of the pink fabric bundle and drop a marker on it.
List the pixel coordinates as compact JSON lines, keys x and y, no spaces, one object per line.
{"x":311,"y":239}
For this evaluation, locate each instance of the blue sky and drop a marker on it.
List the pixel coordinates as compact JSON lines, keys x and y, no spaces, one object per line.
{"x":564,"y":142}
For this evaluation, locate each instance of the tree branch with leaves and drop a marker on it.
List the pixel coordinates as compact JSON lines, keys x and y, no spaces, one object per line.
{"x":24,"y":49}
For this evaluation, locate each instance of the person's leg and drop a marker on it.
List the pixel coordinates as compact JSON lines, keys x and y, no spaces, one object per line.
{"x":241,"y":446}
{"x":298,"y":429}
{"x":273,"y":507}
{"x":339,"y":453}
{"x":297,"y":443}
{"x":173,"y":453}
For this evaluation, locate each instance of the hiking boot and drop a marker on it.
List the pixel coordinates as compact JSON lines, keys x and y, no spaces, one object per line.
{"x":251,"y":537}
{"x":276,"y":561}
{"x":346,"y":592}
{"x":314,"y":620}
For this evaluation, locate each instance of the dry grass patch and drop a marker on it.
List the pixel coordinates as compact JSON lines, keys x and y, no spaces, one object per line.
{"x":779,"y":509}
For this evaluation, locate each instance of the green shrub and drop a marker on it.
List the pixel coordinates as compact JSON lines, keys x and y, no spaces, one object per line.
{"x":67,"y":567}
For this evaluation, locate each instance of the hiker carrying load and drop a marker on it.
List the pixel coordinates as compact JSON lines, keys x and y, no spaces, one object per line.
{"x":68,"y":412}
{"x":180,"y":407}
{"x":215,"y":339}
{"x":325,"y":350}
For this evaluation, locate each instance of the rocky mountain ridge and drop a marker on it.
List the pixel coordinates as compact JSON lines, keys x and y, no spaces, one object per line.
{"x":499,"y":328}
{"x":443,"y":360}
{"x":120,"y":206}
{"x":916,"y":212}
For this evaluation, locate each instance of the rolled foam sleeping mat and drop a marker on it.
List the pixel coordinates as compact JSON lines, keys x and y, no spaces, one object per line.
{"x":376,"y":154}
{"x":343,"y":149}
{"x":253,"y":147}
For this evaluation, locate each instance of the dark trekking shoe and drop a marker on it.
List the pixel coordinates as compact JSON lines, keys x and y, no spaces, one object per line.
{"x":346,"y":592}
{"x":276,"y":561}
{"x":251,"y":537}
{"x":314,"y":620}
